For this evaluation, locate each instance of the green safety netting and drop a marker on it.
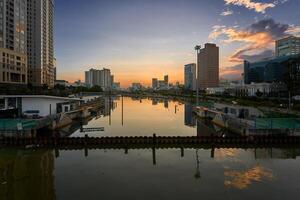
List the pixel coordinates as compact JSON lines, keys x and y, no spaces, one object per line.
{"x":277,"y":123}
{"x":14,"y":124}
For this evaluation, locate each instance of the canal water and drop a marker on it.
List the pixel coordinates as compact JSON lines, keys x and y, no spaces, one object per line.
{"x":149,"y":174}
{"x":143,"y":117}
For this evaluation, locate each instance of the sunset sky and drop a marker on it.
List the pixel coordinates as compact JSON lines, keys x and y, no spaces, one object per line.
{"x":142,"y":39}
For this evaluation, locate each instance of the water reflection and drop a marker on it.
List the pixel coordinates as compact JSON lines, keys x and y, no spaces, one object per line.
{"x":189,"y":117}
{"x":126,"y":116}
{"x":243,"y":179}
{"x":27,"y":175}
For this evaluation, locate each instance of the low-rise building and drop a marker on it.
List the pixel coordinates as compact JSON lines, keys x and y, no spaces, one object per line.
{"x":39,"y":105}
{"x":62,"y":83}
{"x":116,"y":86}
{"x":249,"y":90}
{"x":136,"y":86}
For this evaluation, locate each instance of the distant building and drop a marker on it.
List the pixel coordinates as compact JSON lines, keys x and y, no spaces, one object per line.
{"x":190,"y":76}
{"x":162,"y":85}
{"x":78,"y":83}
{"x":249,"y":90}
{"x":273,"y":70}
{"x":208,"y":66}
{"x":154,"y":83}
{"x":116,"y":86}
{"x":102,"y":78}
{"x":287,"y":46}
{"x":61,"y":82}
{"x":166,"y":79}
{"x":136,"y":86}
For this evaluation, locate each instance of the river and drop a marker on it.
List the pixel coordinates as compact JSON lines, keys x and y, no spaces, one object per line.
{"x":46,"y":174}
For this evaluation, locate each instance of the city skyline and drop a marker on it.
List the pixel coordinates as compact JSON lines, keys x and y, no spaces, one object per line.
{"x":159,"y":36}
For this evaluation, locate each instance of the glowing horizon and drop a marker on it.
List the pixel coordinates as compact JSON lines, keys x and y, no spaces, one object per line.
{"x":141,"y":40}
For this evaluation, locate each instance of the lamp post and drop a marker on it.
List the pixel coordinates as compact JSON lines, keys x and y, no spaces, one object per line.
{"x":197,"y":49}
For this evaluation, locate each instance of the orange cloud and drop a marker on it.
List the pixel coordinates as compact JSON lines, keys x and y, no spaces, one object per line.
{"x":254,"y":40}
{"x":258,"y":7}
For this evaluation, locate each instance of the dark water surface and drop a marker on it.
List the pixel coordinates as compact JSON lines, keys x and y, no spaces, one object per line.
{"x":112,"y":174}
{"x":146,"y":173}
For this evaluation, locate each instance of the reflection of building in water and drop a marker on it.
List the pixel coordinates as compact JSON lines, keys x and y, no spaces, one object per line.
{"x":27,"y":174}
{"x":166,"y":103}
{"x":205,"y":128}
{"x":276,"y":153}
{"x":109,"y":105}
{"x":154,"y":102}
{"x":189,"y":118}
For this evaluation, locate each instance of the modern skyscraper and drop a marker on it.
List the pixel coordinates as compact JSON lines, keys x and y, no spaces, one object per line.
{"x":190,"y":76}
{"x":287,"y":46}
{"x":154,"y":83}
{"x":270,"y":71}
{"x":208,"y":66}
{"x":40,"y":42}
{"x":13,"y":41}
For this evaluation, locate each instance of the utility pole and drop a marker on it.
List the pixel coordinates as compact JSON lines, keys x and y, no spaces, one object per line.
{"x":197,"y":48}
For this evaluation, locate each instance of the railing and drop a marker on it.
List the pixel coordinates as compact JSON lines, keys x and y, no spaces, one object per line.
{"x":217,"y":141}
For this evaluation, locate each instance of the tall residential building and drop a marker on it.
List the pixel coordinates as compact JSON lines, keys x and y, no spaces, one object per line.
{"x":208,"y":66}
{"x":190,"y":76}
{"x":154,"y":83}
{"x":166,"y":79}
{"x":40,"y":42}
{"x":287,"y":46}
{"x":54,"y":68}
{"x":102,"y":78}
{"x":13,"y":41}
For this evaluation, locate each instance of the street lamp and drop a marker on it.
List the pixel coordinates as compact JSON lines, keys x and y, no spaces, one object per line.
{"x":197,"y":49}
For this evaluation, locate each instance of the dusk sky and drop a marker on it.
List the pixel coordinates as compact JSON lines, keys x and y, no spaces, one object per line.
{"x":142,"y":39}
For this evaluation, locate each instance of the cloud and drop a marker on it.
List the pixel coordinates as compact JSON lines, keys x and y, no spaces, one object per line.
{"x":258,"y":37}
{"x":258,"y":57}
{"x":258,"y":7}
{"x":227,"y":12}
{"x":232,"y":73}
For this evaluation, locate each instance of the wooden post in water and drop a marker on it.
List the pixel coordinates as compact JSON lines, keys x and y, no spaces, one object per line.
{"x":212,"y":153}
{"x":86,"y":152}
{"x":182,"y":152}
{"x":153,"y":149}
{"x":153,"y":155}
